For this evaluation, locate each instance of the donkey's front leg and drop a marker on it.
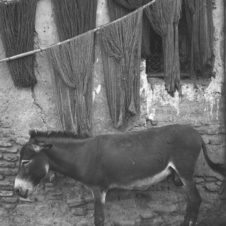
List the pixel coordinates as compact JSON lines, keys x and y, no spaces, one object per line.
{"x":99,"y":200}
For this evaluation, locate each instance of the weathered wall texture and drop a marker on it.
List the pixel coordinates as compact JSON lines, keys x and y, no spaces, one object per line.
{"x":65,"y":202}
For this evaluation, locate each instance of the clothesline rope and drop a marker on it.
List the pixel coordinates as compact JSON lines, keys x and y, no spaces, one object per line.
{"x":21,"y":55}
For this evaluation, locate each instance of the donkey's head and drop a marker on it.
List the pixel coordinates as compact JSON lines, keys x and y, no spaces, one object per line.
{"x":33,"y":166}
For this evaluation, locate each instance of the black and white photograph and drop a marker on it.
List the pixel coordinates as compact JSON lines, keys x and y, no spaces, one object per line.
{"x":112,"y":113}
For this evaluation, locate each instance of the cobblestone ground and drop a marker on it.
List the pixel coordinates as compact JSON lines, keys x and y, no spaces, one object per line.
{"x":154,"y":208}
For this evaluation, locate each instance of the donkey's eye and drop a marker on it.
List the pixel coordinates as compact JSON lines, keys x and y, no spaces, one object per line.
{"x":25,"y":162}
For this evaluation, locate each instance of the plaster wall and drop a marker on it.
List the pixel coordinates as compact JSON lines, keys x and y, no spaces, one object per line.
{"x":65,"y":202}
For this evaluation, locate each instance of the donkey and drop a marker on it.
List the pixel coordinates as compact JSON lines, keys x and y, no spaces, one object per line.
{"x":132,"y":160}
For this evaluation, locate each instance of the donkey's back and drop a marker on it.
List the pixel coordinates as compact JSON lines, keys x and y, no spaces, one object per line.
{"x":136,"y":155}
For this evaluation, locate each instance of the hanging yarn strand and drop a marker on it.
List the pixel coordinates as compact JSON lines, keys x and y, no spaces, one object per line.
{"x":74,"y":17}
{"x":72,"y":63}
{"x":200,"y":28}
{"x":73,"y":76}
{"x":17,"y":27}
{"x":164,"y":16}
{"x":121,"y":47}
{"x":66,"y":18}
{"x":119,"y":8}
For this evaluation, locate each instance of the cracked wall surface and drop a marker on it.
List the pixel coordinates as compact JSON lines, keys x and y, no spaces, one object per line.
{"x":65,"y":202}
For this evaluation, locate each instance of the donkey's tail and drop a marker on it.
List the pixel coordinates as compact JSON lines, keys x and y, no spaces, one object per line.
{"x":217,"y":167}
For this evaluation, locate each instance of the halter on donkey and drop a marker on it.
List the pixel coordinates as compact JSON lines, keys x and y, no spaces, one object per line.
{"x":129,"y":160}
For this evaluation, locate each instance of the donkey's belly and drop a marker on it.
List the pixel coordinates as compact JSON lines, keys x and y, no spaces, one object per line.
{"x":145,"y":183}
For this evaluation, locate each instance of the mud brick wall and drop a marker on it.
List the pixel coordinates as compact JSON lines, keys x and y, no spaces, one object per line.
{"x":62,"y":201}
{"x":8,"y":170}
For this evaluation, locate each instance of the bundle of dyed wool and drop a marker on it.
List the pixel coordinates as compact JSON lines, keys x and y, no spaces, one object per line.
{"x":74,"y":17}
{"x":200,"y":28}
{"x":75,"y":62}
{"x":17,"y":27}
{"x":131,"y":4}
{"x":164,"y":16}
{"x":121,"y":46}
{"x":119,"y":8}
{"x":72,"y":66}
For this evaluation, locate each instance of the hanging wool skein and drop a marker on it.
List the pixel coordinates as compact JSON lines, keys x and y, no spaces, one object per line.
{"x":164,"y":16}
{"x":17,"y":28}
{"x":200,"y":30}
{"x":74,"y":17}
{"x":72,"y":66}
{"x":119,"y":8}
{"x":121,"y":47}
{"x":73,"y":63}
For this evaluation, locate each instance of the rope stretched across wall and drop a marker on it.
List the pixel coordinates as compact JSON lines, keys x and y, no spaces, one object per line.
{"x":42,"y":49}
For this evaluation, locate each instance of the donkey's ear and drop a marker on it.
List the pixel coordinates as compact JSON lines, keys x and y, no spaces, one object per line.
{"x":41,"y":146}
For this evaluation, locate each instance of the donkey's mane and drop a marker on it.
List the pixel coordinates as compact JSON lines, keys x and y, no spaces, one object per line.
{"x":58,"y":134}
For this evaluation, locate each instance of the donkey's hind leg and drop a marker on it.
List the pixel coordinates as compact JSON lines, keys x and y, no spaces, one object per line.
{"x":193,"y":203}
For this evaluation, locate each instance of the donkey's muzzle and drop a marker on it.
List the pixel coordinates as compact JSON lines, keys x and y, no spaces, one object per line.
{"x":20,"y":192}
